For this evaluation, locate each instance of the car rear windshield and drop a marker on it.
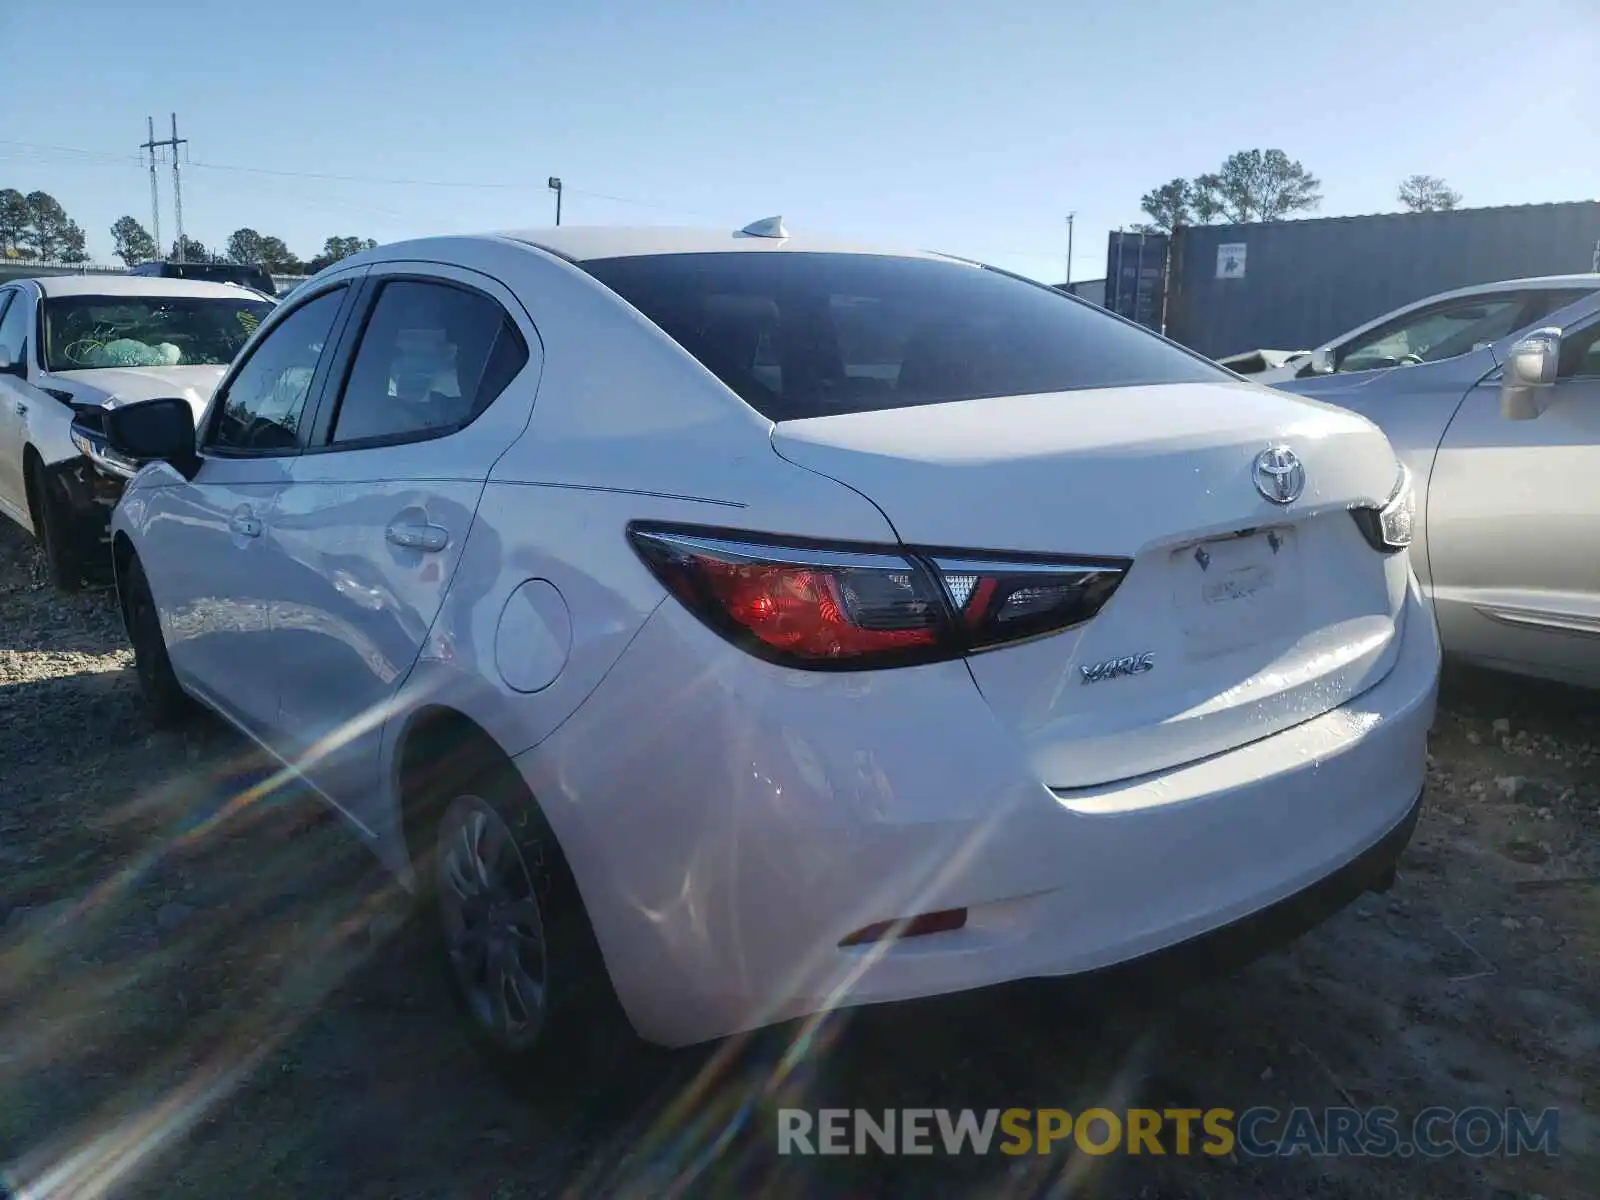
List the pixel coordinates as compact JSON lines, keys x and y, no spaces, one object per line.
{"x":85,"y":332}
{"x":801,"y":335}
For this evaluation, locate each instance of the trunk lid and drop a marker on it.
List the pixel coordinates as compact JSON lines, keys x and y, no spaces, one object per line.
{"x":1241,"y":617}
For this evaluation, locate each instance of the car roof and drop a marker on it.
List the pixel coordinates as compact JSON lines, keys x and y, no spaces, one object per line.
{"x":136,"y":285}
{"x":585,"y":243}
{"x":1532,"y":283}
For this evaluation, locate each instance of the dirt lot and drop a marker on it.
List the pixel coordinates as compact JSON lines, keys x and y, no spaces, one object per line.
{"x":206,"y":990}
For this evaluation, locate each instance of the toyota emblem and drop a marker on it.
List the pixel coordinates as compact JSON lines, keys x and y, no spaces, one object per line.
{"x":1279,"y":474}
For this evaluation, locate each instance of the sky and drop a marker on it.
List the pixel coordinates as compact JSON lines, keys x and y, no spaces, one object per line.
{"x":972,"y":128}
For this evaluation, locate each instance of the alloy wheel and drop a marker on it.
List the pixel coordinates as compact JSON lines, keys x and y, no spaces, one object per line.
{"x":492,"y":924}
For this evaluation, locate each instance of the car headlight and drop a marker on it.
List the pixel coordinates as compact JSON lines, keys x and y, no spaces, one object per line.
{"x":1388,"y":529}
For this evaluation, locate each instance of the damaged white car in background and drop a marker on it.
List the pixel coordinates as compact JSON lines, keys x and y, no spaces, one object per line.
{"x":76,"y":345}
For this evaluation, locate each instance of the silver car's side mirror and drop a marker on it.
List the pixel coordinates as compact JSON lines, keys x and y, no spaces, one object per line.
{"x":1529,"y":371}
{"x":7,"y":367}
{"x":1322,"y":362}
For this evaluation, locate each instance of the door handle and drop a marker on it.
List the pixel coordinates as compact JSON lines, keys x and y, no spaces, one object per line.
{"x":418,"y":537}
{"x":22,"y":409}
{"x":244,"y":526}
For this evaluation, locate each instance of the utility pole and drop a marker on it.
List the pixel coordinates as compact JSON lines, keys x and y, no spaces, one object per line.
{"x":1071,"y":216}
{"x":555,"y":186}
{"x":155,"y":196}
{"x":177,"y":183}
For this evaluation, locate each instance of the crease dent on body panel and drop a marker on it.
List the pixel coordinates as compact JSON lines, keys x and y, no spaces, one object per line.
{"x":598,"y":683}
{"x":432,"y":647}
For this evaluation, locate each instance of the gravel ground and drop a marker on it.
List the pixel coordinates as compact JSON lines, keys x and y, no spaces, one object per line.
{"x":206,"y":989}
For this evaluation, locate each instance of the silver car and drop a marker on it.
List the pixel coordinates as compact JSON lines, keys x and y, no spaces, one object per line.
{"x":1436,"y":327}
{"x":1503,"y":442}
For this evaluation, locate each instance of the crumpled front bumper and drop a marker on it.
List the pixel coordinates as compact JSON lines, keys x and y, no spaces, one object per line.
{"x":85,"y":497}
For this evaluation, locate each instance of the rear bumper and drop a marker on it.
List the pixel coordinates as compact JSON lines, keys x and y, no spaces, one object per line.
{"x":1241,"y":941}
{"x":730,"y":822}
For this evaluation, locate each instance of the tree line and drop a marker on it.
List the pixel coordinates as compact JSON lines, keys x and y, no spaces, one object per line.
{"x":35,"y":226}
{"x":1250,"y":185}
{"x":1265,"y":185}
{"x":133,"y":244}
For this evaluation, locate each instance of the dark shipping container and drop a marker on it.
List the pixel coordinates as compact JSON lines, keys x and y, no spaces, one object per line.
{"x":1292,"y":285}
{"x":1136,"y":277}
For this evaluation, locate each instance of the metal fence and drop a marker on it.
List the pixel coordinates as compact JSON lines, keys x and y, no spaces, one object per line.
{"x":26,"y":268}
{"x":23,"y":268}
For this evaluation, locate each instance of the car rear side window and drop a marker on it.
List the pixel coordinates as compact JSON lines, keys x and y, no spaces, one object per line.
{"x":433,"y":356}
{"x":14,"y":326}
{"x":801,"y":335}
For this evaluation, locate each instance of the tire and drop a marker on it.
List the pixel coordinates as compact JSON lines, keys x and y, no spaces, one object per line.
{"x":62,"y":557}
{"x":165,"y":701}
{"x":508,"y":925}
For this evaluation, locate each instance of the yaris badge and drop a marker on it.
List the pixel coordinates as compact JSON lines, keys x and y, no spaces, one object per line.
{"x":1113,"y":668}
{"x":1279,"y":474}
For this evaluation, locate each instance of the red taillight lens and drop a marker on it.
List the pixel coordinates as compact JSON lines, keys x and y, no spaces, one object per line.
{"x":848,"y":608}
{"x":820,"y":612}
{"x":803,"y":606}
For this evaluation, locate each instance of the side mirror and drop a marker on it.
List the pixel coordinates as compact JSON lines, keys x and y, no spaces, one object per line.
{"x":154,"y":430}
{"x":1529,"y":371}
{"x":1321,"y":362}
{"x":7,"y":367}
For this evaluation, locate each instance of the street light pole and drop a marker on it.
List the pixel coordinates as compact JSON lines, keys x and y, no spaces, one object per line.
{"x":1071,"y":216}
{"x":555,"y":186}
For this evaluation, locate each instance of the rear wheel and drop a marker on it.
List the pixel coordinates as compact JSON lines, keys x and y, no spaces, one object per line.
{"x":167,"y":702}
{"x":52,"y":528}
{"x":511,"y":928}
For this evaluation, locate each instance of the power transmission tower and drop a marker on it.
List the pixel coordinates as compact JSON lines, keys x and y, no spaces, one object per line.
{"x":155,"y":195}
{"x":177,"y":183}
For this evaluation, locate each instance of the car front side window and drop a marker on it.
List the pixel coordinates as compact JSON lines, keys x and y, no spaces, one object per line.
{"x":1434,"y":334}
{"x":261,"y":410}
{"x":432,"y":357}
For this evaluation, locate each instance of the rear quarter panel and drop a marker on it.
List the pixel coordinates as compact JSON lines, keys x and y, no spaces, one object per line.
{"x":626,"y":427}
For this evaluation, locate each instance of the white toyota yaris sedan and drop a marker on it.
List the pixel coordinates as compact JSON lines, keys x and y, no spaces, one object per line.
{"x":741,"y":626}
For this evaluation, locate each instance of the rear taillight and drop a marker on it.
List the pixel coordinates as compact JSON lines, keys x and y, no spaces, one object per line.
{"x":1388,"y":529}
{"x":1000,"y":602}
{"x":849,"y":608}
